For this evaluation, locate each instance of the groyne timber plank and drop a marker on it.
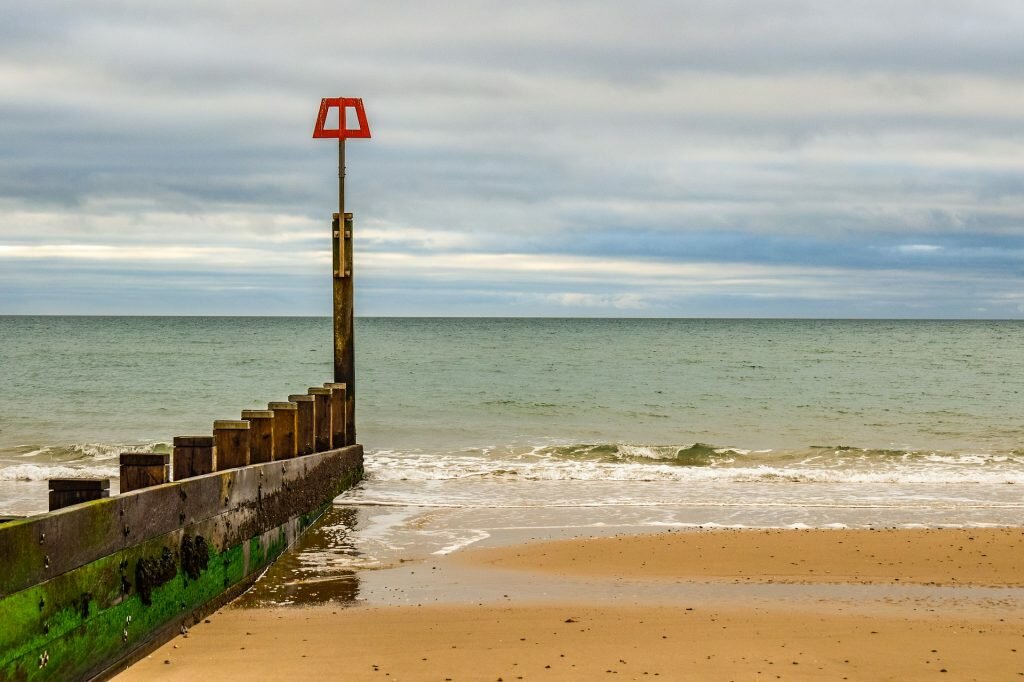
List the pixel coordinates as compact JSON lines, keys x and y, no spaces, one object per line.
{"x":38,"y":548}
{"x":81,"y":622}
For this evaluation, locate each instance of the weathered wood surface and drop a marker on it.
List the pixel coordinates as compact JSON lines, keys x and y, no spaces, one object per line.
{"x":344,"y":328}
{"x":305,"y":424}
{"x":230,"y":443}
{"x":193,"y":456}
{"x":286,"y":417}
{"x":143,"y":470}
{"x":65,"y":492}
{"x":85,"y":586}
{"x":339,"y":409}
{"x":322,"y":417}
{"x":261,"y":435}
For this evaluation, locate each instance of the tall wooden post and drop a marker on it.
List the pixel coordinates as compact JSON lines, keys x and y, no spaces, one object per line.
{"x":344,"y":321}
{"x":344,"y":347}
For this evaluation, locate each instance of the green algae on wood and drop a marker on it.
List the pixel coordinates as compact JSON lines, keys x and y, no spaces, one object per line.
{"x":79,"y":622}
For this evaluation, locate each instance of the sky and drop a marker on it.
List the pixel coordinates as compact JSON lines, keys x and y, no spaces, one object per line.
{"x":711,"y":158}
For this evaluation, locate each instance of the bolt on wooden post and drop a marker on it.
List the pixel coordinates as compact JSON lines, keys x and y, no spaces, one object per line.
{"x":305,"y":426}
{"x":322,"y":417}
{"x":286,"y":417}
{"x":230,"y":443}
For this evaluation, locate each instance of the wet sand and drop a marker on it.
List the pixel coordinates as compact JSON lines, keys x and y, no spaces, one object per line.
{"x":675,"y":605}
{"x":989,"y":556}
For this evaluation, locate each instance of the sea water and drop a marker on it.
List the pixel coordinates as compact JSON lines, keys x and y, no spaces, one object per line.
{"x":474,"y":426}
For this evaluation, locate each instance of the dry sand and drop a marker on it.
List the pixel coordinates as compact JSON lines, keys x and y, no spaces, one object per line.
{"x":888,"y":636}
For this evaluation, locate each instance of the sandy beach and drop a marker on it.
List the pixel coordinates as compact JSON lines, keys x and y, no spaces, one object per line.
{"x":877,"y":605}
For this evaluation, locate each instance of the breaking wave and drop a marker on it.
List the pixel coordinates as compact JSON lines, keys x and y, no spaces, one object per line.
{"x":699,"y":462}
{"x":80,"y":460}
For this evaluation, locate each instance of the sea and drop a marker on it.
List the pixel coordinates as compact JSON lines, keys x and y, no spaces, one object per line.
{"x":474,"y":426}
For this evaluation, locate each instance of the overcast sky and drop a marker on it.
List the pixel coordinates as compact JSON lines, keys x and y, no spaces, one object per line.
{"x":684,"y":158}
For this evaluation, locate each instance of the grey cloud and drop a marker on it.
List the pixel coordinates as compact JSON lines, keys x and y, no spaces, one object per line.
{"x":780,"y":132}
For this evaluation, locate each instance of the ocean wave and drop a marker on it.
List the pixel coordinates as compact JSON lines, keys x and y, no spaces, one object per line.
{"x":77,"y":460}
{"x":86,"y":452}
{"x":36,"y":472}
{"x":698,"y":463}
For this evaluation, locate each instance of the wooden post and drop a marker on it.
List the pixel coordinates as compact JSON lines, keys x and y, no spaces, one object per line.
{"x":286,"y":423}
{"x":231,"y":444}
{"x":322,"y":417}
{"x":344,"y":326}
{"x":339,"y":406}
{"x":65,"y":492}
{"x":193,"y":456}
{"x":144,"y":469}
{"x":305,"y":427}
{"x":261,"y":435}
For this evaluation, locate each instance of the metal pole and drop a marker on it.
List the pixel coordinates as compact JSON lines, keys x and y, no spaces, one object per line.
{"x":340,"y":236}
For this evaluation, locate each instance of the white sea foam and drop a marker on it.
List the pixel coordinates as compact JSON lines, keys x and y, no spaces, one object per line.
{"x":959,"y":469}
{"x":33,"y":472}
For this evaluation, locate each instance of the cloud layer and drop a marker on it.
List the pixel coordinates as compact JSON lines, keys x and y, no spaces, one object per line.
{"x":536,"y":158}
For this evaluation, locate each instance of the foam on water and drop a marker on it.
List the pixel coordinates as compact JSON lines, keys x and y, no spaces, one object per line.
{"x":703,"y":463}
{"x":79,"y":460}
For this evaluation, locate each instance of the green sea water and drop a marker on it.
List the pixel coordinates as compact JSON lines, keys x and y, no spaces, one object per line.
{"x":643,"y":412}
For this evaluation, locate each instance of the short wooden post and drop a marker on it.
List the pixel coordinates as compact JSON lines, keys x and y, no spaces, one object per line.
{"x":193,"y":456}
{"x":261,"y":435}
{"x":144,"y":469}
{"x":65,"y":492}
{"x":305,"y":428}
{"x":230,"y":443}
{"x":286,"y":422}
{"x":339,"y":411}
{"x":322,"y":418}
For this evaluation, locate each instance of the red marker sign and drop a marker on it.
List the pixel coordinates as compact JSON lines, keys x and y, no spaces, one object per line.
{"x":341,"y":133}
{"x":342,"y":104}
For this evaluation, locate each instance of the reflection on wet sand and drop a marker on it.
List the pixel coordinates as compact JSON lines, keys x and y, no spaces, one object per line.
{"x":317,"y":570}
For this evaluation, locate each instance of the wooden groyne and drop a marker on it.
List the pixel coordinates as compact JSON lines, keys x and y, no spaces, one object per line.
{"x":98,"y":581}
{"x":87,"y":587}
